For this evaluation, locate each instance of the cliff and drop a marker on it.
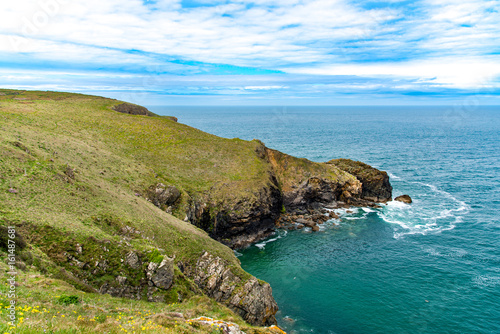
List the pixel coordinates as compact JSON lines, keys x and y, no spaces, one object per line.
{"x":114,"y":199}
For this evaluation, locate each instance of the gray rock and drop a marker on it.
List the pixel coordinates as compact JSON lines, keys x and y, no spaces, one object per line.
{"x":161,"y":275}
{"x":252,"y":300}
{"x":121,"y":280}
{"x":162,"y":195}
{"x":133,"y":260}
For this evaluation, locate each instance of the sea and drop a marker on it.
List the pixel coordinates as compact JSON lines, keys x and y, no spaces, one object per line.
{"x":432,"y":266}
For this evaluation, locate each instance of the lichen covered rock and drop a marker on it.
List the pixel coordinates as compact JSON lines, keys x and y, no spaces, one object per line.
{"x":251,"y":299}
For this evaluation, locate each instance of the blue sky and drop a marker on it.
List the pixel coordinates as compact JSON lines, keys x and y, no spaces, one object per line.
{"x":268,"y":52}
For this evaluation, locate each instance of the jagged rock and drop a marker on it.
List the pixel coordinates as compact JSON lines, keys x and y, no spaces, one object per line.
{"x":121,"y":280}
{"x":375,"y":183}
{"x":163,"y":196}
{"x":333,"y":215}
{"x":242,"y":222}
{"x":255,"y":303}
{"x":316,"y":191}
{"x":308,"y":223}
{"x":125,"y":291}
{"x":161,"y":275}
{"x":252,"y":300}
{"x":133,"y":260}
{"x":404,"y":198}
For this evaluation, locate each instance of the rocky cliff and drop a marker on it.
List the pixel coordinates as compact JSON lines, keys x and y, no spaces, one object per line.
{"x":295,"y":186}
{"x":112,"y":198}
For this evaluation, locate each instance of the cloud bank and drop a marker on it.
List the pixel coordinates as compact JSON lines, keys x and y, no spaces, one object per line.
{"x":277,"y":51}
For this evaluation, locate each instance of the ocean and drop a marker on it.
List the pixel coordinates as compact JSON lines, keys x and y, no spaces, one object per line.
{"x":429,"y":267}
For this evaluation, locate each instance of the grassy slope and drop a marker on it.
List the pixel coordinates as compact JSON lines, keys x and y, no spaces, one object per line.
{"x":68,"y":163}
{"x":115,"y":156}
{"x":40,"y":311}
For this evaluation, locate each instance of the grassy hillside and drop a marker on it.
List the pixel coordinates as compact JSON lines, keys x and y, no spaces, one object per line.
{"x":74,"y":174}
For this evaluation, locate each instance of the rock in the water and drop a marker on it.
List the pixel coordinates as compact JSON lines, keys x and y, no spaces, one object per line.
{"x":333,"y":215}
{"x":404,"y":199}
{"x":308,"y":223}
{"x":315,"y":228}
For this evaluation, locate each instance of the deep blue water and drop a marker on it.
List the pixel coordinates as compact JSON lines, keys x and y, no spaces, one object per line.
{"x":429,"y":267}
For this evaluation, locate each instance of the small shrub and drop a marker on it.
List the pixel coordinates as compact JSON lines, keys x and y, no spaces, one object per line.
{"x":68,"y":300}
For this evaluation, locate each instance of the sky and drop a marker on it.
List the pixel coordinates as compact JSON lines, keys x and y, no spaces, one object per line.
{"x":260,"y":52}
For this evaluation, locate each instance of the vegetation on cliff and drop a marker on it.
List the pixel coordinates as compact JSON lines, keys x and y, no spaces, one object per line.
{"x":110,"y":198}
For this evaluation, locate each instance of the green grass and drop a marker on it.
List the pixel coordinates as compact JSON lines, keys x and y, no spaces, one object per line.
{"x":75,"y":172}
{"x":47,"y":305}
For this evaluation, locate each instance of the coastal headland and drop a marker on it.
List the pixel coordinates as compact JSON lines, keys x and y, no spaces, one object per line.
{"x":107,"y":197}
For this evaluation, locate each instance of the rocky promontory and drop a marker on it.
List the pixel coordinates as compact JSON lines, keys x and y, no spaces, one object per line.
{"x":111,"y":198}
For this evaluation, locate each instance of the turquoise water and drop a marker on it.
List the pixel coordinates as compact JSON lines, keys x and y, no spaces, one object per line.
{"x":429,"y":267}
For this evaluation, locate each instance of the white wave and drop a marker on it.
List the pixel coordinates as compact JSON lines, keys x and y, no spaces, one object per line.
{"x":392,"y":176}
{"x":262,"y":244}
{"x":368,"y":210}
{"x":237,"y":254}
{"x":432,"y":211}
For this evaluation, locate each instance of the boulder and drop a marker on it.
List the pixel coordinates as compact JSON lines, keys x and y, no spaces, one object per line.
{"x":163,"y":196}
{"x":404,"y":199}
{"x":308,"y":223}
{"x":315,"y":228}
{"x":161,"y":275}
{"x":133,"y":260}
{"x":333,"y":215}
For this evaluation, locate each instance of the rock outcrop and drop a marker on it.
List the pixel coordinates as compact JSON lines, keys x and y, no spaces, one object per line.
{"x":132,"y":109}
{"x":404,"y":198}
{"x":375,"y":183}
{"x":251,"y":299}
{"x":296,"y":186}
{"x":161,"y":275}
{"x":163,"y":196}
{"x":240,"y":222}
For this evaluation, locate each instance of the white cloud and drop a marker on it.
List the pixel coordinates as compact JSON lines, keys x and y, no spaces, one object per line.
{"x":447,"y":72}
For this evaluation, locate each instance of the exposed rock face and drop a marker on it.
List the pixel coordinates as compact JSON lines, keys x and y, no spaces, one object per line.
{"x":251,"y":299}
{"x":299,"y":186}
{"x":404,"y":198}
{"x":163,"y":196}
{"x":240,"y":223}
{"x":132,"y":109}
{"x":133,"y":260}
{"x":161,"y":275}
{"x":375,"y":183}
{"x":316,"y":191}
